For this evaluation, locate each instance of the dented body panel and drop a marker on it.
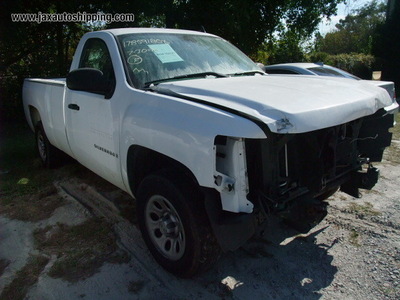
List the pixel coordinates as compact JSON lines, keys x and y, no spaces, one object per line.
{"x":292,"y":104}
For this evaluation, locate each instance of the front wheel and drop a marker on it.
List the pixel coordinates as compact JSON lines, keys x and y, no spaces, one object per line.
{"x":174,"y":224}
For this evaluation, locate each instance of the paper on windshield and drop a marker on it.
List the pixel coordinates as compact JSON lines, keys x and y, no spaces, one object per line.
{"x":165,"y":53}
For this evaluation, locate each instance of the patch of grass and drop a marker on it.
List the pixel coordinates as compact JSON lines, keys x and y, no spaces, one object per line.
{"x":392,"y":153}
{"x":24,"y":181}
{"x":354,"y":238}
{"x":21,"y":173}
{"x":361,"y":210}
{"x":25,"y":278}
{"x":26,"y":187}
{"x":81,"y":250}
{"x":35,"y":207}
{"x":396,"y":129}
{"x":373,"y":192}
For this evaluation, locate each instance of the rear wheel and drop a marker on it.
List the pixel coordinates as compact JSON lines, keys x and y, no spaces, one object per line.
{"x":49,"y":155}
{"x":174,"y":224}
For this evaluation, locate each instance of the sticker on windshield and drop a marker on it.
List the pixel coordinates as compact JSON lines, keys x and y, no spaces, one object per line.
{"x":165,"y":53}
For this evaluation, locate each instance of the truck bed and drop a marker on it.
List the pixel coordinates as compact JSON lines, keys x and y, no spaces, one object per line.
{"x":47,"y":95}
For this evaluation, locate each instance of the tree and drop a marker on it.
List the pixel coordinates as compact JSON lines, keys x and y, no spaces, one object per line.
{"x":357,"y":32}
{"x":50,"y":43}
{"x":243,"y":22}
{"x":30,"y":49}
{"x":281,"y":49}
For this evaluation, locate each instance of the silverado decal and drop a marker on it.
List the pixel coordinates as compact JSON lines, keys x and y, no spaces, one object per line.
{"x":106,"y":151}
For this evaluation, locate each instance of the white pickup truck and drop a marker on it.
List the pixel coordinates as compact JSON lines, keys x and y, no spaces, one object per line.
{"x":207,"y":143}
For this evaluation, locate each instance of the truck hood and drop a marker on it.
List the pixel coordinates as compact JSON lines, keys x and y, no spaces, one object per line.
{"x":291,"y":104}
{"x":387,"y":85}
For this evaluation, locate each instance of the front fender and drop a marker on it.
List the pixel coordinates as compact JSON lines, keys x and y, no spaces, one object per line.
{"x":182,"y":130}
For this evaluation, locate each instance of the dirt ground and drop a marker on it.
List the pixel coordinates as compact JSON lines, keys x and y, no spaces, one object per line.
{"x":79,"y":240}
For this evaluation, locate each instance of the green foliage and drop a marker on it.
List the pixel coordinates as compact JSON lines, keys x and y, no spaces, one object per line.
{"x":246,"y":23}
{"x":351,"y":46}
{"x":319,"y":57}
{"x":29,"y":49}
{"x":357,"y":32}
{"x":358,"y":64}
{"x":288,"y":48}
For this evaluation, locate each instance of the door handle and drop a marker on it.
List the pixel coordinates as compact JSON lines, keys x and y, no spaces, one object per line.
{"x":73,"y":106}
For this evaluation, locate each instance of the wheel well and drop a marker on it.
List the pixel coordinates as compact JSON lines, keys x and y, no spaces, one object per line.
{"x":34,"y":115}
{"x":142,"y":161}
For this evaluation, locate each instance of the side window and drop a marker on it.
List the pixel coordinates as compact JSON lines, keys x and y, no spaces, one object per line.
{"x":95,"y":54}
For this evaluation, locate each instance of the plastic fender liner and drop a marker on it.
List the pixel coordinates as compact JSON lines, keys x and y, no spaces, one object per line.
{"x":232,"y":230}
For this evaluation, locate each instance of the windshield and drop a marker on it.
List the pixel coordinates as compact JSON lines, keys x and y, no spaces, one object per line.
{"x":154,"y":57}
{"x":331,"y":71}
{"x":325,"y":72}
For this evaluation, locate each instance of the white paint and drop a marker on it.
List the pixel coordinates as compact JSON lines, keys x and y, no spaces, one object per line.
{"x":101,"y":132}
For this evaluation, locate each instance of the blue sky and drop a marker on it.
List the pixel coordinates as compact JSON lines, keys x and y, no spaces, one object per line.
{"x":343,"y":11}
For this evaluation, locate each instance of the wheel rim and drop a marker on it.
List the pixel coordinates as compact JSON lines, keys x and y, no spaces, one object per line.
{"x":41,"y":146}
{"x":165,"y":227}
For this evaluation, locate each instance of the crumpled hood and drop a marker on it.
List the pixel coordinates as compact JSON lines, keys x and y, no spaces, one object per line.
{"x":290,"y":104}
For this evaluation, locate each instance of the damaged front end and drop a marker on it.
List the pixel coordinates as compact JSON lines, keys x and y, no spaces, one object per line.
{"x":291,"y":174}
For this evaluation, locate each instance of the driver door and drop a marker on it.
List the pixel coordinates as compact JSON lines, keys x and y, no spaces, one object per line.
{"x":91,"y":130}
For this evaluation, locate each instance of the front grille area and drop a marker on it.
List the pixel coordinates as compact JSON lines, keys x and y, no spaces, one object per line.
{"x":284,"y":167}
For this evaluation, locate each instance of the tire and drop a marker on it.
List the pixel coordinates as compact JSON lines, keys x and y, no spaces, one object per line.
{"x":174,"y":224}
{"x":48,"y":154}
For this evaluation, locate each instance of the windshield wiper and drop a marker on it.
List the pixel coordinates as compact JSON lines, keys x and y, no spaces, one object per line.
{"x":247,"y":73}
{"x":194,"y":75}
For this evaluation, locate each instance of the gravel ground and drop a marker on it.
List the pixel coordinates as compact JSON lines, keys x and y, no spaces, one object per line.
{"x":354,"y":253}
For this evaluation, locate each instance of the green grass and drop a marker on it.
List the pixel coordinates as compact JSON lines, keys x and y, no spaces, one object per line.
{"x":27,"y":193}
{"x":366,"y":209}
{"x":396,"y":129}
{"x":25,"y":278}
{"x":20,"y":168}
{"x":392,"y":153}
{"x":81,"y":249}
{"x":25,"y":185}
{"x":354,"y":238}
{"x":26,"y":189}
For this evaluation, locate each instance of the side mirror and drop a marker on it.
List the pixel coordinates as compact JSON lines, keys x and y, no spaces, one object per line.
{"x":88,"y":80}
